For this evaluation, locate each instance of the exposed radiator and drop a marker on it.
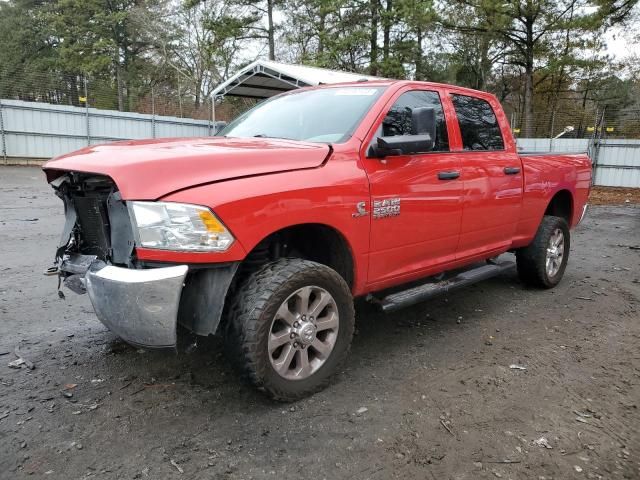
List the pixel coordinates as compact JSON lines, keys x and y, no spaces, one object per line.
{"x":93,"y":225}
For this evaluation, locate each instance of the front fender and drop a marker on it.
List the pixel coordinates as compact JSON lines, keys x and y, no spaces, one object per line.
{"x":254,"y":208}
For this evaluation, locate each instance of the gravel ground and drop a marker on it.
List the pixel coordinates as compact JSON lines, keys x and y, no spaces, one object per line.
{"x":496,"y":381}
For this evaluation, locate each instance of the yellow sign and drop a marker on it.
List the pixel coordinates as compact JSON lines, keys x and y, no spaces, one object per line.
{"x":83,"y":99}
{"x":590,"y":129}
{"x":609,"y":129}
{"x":516,"y":130}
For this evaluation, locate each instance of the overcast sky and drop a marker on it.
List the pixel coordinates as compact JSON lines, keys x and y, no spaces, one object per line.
{"x":618,"y":43}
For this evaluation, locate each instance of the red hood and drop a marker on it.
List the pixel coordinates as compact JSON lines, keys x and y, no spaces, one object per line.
{"x":150,"y":169}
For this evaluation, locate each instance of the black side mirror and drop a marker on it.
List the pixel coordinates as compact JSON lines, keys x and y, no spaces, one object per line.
{"x":403,"y":145}
{"x":422,"y":138}
{"x":423,"y":121}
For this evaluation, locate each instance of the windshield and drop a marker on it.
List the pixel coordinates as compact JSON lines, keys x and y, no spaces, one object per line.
{"x":327,"y":115}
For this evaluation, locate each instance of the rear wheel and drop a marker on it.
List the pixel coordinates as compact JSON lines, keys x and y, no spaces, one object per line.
{"x":291,"y":325}
{"x":543,"y":262}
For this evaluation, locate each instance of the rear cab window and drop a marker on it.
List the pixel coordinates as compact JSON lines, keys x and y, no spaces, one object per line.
{"x":478,"y":124}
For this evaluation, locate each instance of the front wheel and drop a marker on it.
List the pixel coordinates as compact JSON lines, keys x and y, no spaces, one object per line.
{"x":291,"y":325}
{"x":542,"y":263}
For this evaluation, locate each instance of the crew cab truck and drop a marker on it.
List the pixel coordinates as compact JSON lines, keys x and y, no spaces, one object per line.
{"x":393,"y":190}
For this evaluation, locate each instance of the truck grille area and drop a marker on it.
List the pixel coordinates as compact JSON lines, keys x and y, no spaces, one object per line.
{"x":93,"y":226}
{"x":102,"y":226}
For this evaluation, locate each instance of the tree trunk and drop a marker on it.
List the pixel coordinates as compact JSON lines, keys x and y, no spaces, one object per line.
{"x":581,"y":126}
{"x":528,"y":102}
{"x":270,"y":31}
{"x":386,"y":42}
{"x":419,"y":62}
{"x":119,"y":88}
{"x":196,"y":102}
{"x":528,"y":81}
{"x":561,"y":74}
{"x":73,"y":94}
{"x":321,"y":34}
{"x":373,"y":54}
{"x":485,"y":63}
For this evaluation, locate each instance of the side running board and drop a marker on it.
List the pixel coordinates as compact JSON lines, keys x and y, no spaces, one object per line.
{"x":432,"y":289}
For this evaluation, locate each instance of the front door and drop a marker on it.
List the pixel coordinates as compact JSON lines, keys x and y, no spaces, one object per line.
{"x":416,"y":206}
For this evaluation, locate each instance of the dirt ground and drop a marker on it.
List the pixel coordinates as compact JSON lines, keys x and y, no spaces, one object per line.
{"x":614,"y":196}
{"x":496,"y":381}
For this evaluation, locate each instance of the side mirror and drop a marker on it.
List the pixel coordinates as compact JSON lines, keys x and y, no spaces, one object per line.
{"x":422,"y":138}
{"x":423,"y":121}
{"x":402,"y":145}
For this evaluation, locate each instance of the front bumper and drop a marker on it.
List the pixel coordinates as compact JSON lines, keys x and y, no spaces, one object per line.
{"x":140,"y":306}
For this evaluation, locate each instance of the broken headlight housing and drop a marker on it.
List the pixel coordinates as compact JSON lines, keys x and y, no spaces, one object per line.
{"x":178,"y":226}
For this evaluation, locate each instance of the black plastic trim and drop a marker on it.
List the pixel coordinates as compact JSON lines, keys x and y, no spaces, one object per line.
{"x":448,"y":175}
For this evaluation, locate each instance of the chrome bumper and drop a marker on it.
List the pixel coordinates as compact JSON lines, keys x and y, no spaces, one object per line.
{"x":140,"y":306}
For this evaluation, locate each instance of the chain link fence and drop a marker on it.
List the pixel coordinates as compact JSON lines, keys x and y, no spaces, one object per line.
{"x":580,"y":123}
{"x":160,"y":98}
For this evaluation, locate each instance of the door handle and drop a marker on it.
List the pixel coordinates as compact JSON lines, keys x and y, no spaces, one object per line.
{"x":452,"y":175}
{"x":511,"y":170}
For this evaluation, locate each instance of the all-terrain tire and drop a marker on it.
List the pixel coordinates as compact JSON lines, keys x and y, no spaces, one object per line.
{"x":532,"y":260}
{"x":252,"y":312}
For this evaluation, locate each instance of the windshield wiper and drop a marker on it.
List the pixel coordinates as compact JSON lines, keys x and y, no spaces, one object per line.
{"x":264,"y":135}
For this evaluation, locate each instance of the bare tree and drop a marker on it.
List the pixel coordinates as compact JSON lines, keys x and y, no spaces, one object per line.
{"x":204,"y":44}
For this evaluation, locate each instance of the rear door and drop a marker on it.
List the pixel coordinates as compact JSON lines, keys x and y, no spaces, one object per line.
{"x":492,"y":177}
{"x":416,"y":207}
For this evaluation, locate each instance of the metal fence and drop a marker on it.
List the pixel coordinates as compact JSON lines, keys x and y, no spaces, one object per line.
{"x":616,"y":162}
{"x":40,"y":130}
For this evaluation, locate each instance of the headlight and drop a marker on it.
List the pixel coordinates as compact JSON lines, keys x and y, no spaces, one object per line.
{"x":179,"y":226}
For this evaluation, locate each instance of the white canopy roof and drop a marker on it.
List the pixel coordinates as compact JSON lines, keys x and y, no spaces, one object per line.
{"x":264,"y":79}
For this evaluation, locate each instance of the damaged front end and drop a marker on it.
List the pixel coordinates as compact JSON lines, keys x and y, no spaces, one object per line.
{"x":95,"y":255}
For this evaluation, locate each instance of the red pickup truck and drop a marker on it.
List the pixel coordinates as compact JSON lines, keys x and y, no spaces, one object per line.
{"x":393,"y":190}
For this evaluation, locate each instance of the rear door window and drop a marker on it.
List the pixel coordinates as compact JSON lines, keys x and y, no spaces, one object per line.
{"x":478,"y":124}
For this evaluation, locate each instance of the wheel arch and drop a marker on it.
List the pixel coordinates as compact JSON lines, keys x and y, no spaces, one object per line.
{"x":319,"y":242}
{"x":561,"y":205}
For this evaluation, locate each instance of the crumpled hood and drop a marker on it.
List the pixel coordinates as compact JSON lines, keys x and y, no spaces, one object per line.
{"x":150,"y":169}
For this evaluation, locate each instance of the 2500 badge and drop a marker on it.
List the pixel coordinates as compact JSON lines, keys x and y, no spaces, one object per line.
{"x":389,"y":207}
